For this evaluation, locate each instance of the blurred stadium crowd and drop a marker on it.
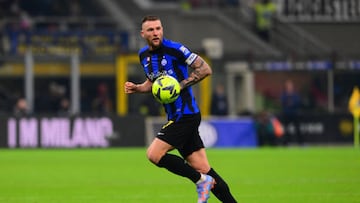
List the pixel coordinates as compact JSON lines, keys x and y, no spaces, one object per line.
{"x":255,"y":32}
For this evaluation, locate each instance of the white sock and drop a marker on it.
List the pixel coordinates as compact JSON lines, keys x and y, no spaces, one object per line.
{"x":202,"y":178}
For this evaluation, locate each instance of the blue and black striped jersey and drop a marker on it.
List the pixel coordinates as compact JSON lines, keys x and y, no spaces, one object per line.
{"x":171,"y":58}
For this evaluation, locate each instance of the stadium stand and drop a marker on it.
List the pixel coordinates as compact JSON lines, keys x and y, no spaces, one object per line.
{"x":209,"y":22}
{"x":66,"y":50}
{"x":191,"y":22}
{"x":339,"y":36}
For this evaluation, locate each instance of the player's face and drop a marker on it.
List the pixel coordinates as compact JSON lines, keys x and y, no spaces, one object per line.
{"x":152,"y":32}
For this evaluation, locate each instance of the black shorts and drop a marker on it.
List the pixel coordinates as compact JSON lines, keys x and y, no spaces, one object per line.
{"x":183,"y":134}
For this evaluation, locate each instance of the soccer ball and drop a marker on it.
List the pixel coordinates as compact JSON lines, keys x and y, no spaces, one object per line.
{"x":166,"y":89}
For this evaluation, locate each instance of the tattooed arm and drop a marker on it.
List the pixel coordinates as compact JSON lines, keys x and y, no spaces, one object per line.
{"x":200,"y":70}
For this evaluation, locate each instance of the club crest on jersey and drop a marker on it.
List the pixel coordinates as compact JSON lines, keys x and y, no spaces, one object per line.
{"x":163,"y":62}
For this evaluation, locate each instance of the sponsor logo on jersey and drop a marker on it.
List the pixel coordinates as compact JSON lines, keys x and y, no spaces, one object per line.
{"x":152,"y":76}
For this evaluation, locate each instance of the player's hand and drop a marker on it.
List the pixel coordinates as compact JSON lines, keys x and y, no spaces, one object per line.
{"x":130,"y":87}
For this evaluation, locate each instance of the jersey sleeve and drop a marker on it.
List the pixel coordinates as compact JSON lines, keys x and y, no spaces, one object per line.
{"x":188,"y":55}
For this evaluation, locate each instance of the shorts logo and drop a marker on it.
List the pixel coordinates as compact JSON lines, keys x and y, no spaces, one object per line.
{"x":167,"y":124}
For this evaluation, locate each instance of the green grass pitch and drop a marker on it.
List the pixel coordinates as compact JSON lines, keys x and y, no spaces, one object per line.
{"x":123,"y":175}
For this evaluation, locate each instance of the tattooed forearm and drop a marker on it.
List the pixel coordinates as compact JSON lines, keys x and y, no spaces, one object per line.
{"x":201,"y":70}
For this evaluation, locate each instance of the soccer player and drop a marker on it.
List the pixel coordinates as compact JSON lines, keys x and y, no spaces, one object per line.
{"x":163,"y":56}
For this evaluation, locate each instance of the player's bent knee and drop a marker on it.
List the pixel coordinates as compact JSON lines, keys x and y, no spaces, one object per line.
{"x":202,"y":168}
{"x":153,"y":157}
{"x":150,"y":156}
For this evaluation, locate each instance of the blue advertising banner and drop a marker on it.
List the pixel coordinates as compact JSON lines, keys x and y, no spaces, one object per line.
{"x":238,"y":132}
